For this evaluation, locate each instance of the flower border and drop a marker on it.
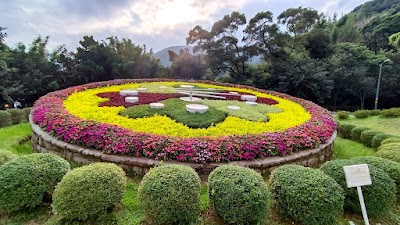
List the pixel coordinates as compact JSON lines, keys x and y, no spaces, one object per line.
{"x":50,"y":114}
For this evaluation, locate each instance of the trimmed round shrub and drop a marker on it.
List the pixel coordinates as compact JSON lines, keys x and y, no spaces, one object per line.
{"x":6,"y":156}
{"x":360,"y":114}
{"x":391,"y":113}
{"x":379,"y":197}
{"x":344,"y":130}
{"x":367,"y":136}
{"x":238,"y":195}
{"x":377,"y":139}
{"x":391,"y":140}
{"x":27,"y":111}
{"x":89,"y":190}
{"x":17,"y":116}
{"x":170,"y":194}
{"x":5,"y":118}
{"x":306,"y":195}
{"x":390,"y":167}
{"x":393,"y":155}
{"x":26,"y":180}
{"x":343,"y":115}
{"x":356,"y":133}
{"x":374,"y":112}
{"x":391,"y":147}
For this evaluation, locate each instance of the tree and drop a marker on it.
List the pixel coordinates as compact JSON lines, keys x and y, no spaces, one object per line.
{"x":2,"y":35}
{"x":185,"y":65}
{"x":318,"y":43}
{"x":298,"y":21}
{"x":394,"y":40}
{"x":221,"y":46}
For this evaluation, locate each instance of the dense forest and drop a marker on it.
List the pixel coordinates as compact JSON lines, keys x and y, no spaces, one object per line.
{"x":332,"y":61}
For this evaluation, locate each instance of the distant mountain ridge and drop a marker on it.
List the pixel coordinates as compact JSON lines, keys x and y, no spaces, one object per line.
{"x":163,"y":54}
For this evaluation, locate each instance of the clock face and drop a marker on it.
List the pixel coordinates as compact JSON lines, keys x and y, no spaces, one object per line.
{"x":196,"y":121}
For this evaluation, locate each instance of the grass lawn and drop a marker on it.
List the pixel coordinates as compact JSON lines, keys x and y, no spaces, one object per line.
{"x":11,"y":136}
{"x":347,"y":149}
{"x":386,"y":125}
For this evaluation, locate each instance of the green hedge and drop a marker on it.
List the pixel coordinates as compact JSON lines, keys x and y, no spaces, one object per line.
{"x":379,"y":197}
{"x":170,"y":194}
{"x":391,"y":113}
{"x":238,"y":195}
{"x":377,"y":139}
{"x":390,"y":146}
{"x":356,"y":133}
{"x":389,"y":151}
{"x":88,"y":191}
{"x":27,"y":111}
{"x":17,"y":116}
{"x":390,"y":167}
{"x":6,"y":156}
{"x":391,"y":140}
{"x":344,"y":130}
{"x":5,"y":118}
{"x":360,"y":114}
{"x":343,"y":115}
{"x":25,"y":180}
{"x":367,"y":136}
{"x":306,"y":195}
{"x":375,"y":112}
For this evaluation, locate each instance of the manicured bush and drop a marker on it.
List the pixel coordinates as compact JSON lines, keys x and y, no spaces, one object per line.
{"x":306,"y":195}
{"x":27,"y":111}
{"x":6,"y":156}
{"x":374,"y":112}
{"x":390,"y":146}
{"x":377,"y":139}
{"x":391,"y":113}
{"x":391,"y":140}
{"x":89,"y":190}
{"x":356,"y":133}
{"x":360,"y":114}
{"x":367,"y":136}
{"x":390,"y":167}
{"x":379,"y":197}
{"x":17,"y":116}
{"x":238,"y":195}
{"x":5,"y":118}
{"x":389,"y":151}
{"x":170,"y":194}
{"x":344,"y":130}
{"x":343,"y":115}
{"x":26,"y":180}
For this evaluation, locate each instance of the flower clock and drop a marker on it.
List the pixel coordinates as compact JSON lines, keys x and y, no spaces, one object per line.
{"x":158,"y":119}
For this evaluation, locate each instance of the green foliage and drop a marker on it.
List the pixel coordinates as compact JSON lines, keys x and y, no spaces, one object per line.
{"x":185,"y":65}
{"x":88,"y":191}
{"x":24,"y":181}
{"x":6,"y":156}
{"x":356,"y":133}
{"x":170,"y":194}
{"x":5,"y":118}
{"x":391,"y":140}
{"x":306,"y":195}
{"x":379,"y":197}
{"x":176,"y":110}
{"x":344,"y":130}
{"x":389,"y":151}
{"x":378,"y":138}
{"x":347,"y":149}
{"x":367,"y":136}
{"x":391,"y":113}
{"x":360,"y":114}
{"x":318,"y":43}
{"x":17,"y":116}
{"x":390,"y":167}
{"x":374,"y":112}
{"x":238,"y":195}
{"x":27,"y":111}
{"x":343,"y":115}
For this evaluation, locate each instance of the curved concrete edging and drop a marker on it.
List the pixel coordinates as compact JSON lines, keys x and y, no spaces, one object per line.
{"x":44,"y":142}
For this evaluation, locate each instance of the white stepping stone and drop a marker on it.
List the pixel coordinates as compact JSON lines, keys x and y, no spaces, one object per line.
{"x":250,"y":98}
{"x":128,"y":92}
{"x":141,"y":89}
{"x":131,"y":99}
{"x":156,"y":105}
{"x":233,"y":107}
{"x":251,"y":103}
{"x":196,"y":108}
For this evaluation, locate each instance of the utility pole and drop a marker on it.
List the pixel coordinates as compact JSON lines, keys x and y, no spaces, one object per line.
{"x":379,"y":82}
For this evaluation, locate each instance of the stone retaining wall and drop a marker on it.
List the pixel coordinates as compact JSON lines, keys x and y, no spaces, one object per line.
{"x":43,"y":142}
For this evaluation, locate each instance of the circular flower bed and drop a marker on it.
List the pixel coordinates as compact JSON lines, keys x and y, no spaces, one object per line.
{"x":95,"y":115}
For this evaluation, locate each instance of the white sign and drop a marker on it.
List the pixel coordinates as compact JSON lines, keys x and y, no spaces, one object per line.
{"x":357,"y":175}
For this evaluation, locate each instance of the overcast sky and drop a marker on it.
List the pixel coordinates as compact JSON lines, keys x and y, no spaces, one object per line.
{"x":156,"y":23}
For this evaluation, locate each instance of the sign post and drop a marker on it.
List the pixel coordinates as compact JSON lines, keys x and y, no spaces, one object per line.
{"x":357,"y":176}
